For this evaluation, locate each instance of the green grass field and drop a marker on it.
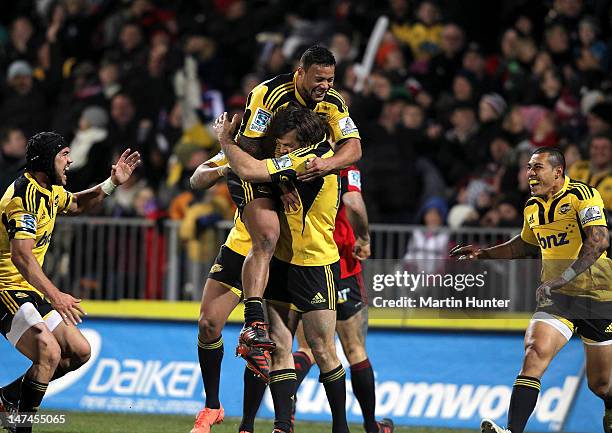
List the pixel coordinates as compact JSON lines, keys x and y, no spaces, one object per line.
{"x":79,"y":422}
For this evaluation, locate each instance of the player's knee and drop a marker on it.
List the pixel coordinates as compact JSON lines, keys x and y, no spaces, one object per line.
{"x":49,"y":351}
{"x":601,"y":386}
{"x":324,"y":355}
{"x":536,"y":359}
{"x":355,"y":353}
{"x":80,"y":354}
{"x":209,"y":329}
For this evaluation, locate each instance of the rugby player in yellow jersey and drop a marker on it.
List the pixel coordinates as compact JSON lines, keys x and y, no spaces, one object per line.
{"x":305,"y":267}
{"x":310,"y":86}
{"x":565,"y":220}
{"x":35,"y":316}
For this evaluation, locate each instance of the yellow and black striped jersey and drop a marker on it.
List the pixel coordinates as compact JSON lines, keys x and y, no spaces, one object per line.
{"x":602,"y":182}
{"x":238,"y":239}
{"x":307,"y":234}
{"x":28,"y":211}
{"x":557,"y":227}
{"x":268,"y":97}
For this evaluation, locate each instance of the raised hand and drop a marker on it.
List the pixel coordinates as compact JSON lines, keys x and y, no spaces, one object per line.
{"x":124,"y":167}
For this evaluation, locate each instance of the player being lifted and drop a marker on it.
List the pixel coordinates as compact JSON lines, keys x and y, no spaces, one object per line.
{"x":565,"y":219}
{"x":310,"y":86}
{"x":305,"y":267}
{"x":35,"y":316}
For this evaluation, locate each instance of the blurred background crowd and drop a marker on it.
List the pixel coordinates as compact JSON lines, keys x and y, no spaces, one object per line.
{"x":460,"y":94}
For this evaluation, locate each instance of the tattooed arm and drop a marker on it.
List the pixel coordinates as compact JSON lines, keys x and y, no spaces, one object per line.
{"x":596,"y":242}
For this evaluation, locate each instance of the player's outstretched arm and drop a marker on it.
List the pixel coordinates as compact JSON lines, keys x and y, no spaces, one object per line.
{"x":515,"y":248}
{"x":120,"y":173}
{"x":27,"y":265}
{"x":206,"y":175}
{"x":357,"y":215}
{"x":244,"y":165}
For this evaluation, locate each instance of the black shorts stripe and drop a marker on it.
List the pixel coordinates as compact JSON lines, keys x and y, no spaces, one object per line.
{"x":10,"y":304}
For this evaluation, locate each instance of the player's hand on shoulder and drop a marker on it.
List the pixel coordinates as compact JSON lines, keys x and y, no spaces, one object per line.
{"x":225,"y":128}
{"x":124,"y":167}
{"x":316,"y":167}
{"x":465,"y":252}
{"x":68,"y":307}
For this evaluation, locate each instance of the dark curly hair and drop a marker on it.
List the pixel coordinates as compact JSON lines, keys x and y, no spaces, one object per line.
{"x":310,"y":127}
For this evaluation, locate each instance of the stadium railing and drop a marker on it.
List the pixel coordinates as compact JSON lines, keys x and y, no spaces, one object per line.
{"x":103,"y":258}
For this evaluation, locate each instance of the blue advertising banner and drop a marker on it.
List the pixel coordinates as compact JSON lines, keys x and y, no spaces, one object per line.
{"x":422,"y":378}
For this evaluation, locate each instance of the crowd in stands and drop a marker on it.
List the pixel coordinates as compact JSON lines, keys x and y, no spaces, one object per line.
{"x":460,"y":94}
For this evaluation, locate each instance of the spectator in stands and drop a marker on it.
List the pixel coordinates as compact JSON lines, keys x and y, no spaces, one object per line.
{"x":20,"y":45}
{"x":597,"y":170}
{"x":108,"y":75}
{"x":23,"y":102}
{"x":592,"y":53}
{"x":12,"y":150}
{"x":428,"y":247}
{"x":89,"y":150}
{"x":459,"y":154}
{"x":599,"y":118}
{"x":444,"y":65}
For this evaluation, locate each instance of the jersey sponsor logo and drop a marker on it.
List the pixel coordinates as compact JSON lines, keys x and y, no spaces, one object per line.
{"x":216,"y":268}
{"x":565,"y":208}
{"x":318,"y":299}
{"x":260,"y":120}
{"x":554,"y":240}
{"x":531,"y":220}
{"x":347,"y":126}
{"x":282,"y":162}
{"x":354,"y":178}
{"x":590,"y":214}
{"x":28,"y":222}
{"x":44,"y":240}
{"x":20,"y":295}
{"x":609,"y":329}
{"x":264,"y":189}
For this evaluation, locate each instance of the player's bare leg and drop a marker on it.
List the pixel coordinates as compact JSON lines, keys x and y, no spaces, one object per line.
{"x":283,"y":380}
{"x":542,"y":343}
{"x":352,"y":333}
{"x":75,"y":349}
{"x":261,"y":220}
{"x":320,"y":331}
{"x":217,"y":303}
{"x":599,"y":376}
{"x":40,"y":346}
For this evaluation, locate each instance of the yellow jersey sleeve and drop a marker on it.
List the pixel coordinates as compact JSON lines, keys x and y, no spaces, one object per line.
{"x":257,"y":115}
{"x":286,"y":167}
{"x":590,"y":208}
{"x":65,"y":200}
{"x":527,"y":233}
{"x":340,"y":123}
{"x":22,"y":222}
{"x":218,"y":160}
